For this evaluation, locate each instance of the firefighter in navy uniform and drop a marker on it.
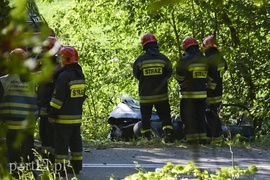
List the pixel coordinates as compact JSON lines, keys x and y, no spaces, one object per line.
{"x":153,"y":69}
{"x":191,"y":74}
{"x":214,"y":87}
{"x":44,"y":95}
{"x":18,"y":110}
{"x":66,"y":111}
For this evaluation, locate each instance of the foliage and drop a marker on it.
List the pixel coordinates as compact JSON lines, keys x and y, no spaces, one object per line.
{"x":108,"y":42}
{"x":17,"y":30}
{"x":171,"y":171}
{"x":107,"y":35}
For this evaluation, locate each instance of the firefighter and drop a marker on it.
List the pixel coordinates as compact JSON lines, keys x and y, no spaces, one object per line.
{"x":44,"y":93}
{"x":191,"y":74}
{"x":18,"y":110}
{"x":66,"y":111}
{"x":153,"y":69}
{"x":214,"y":87}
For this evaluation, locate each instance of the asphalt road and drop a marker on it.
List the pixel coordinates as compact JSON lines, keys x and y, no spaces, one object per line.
{"x":117,"y":163}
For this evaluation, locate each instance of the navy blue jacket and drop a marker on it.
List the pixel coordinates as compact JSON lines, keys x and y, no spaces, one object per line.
{"x":68,"y":96}
{"x":216,"y":60}
{"x":152,"y":69}
{"x":192,"y":73}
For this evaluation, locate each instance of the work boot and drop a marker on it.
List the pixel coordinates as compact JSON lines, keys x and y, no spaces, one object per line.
{"x":168,"y":134}
{"x":147,"y":134}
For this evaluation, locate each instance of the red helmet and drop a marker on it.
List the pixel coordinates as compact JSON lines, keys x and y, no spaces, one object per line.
{"x":68,"y":55}
{"x":49,"y":42}
{"x":189,"y":41}
{"x":209,"y":42}
{"x":147,"y":38}
{"x":17,"y":54}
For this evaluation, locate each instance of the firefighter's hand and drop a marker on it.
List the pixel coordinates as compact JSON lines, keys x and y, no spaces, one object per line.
{"x":51,"y":120}
{"x":184,"y":84}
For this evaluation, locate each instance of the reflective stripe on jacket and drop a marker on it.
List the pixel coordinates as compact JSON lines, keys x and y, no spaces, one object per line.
{"x":152,"y":71}
{"x":214,"y":95}
{"x":153,"y":99}
{"x":22,"y":124}
{"x":68,"y":97}
{"x":19,"y":99}
{"x":192,"y":70}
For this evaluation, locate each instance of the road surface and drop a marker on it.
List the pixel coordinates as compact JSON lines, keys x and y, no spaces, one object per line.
{"x":117,"y":163}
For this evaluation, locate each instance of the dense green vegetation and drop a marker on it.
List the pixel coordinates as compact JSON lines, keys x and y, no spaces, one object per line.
{"x":107,"y":35}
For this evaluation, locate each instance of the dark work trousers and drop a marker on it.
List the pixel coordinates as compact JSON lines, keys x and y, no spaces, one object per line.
{"x":192,"y":113}
{"x":68,"y":137}
{"x":46,"y":134}
{"x":163,"y":111}
{"x":20,"y":144}
{"x":213,"y":120}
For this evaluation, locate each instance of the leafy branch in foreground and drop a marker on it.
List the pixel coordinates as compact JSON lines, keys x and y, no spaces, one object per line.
{"x":174,"y":172}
